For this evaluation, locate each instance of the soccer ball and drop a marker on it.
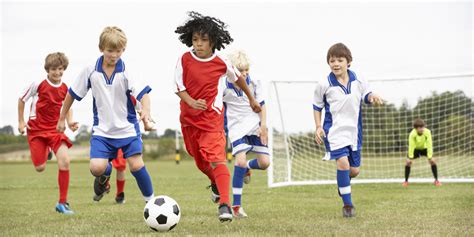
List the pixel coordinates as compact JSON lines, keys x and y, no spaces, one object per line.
{"x":162,"y":213}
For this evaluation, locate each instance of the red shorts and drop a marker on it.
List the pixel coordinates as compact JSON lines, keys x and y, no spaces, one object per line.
{"x":204,"y":145}
{"x":119,"y":163}
{"x":40,"y":144}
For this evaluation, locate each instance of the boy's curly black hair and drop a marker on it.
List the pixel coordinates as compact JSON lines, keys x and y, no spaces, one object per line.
{"x":213,"y":27}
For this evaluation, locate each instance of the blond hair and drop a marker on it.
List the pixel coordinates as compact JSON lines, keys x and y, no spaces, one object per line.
{"x":239,"y":59}
{"x":54,"y":60}
{"x":112,"y":37}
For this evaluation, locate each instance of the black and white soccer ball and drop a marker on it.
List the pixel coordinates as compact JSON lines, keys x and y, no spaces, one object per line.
{"x":162,"y":213}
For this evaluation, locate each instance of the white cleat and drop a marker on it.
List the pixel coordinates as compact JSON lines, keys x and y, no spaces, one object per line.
{"x":239,"y":212}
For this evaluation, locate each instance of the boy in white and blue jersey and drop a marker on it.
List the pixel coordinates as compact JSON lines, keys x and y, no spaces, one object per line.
{"x":341,"y":95}
{"x":246,"y":129}
{"x":115,"y":122}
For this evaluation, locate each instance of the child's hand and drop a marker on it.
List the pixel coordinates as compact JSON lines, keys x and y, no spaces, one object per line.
{"x":73,"y":126}
{"x":375,"y":99}
{"x":319,"y":135}
{"x":21,"y":127}
{"x":148,"y":122}
{"x":60,"y":127}
{"x":255,"y":106}
{"x":149,"y":125}
{"x":263,"y":134}
{"x":199,"y":104}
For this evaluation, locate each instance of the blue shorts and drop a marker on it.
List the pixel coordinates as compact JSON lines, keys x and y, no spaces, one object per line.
{"x":106,"y":148}
{"x":249,"y":143}
{"x":353,"y":156}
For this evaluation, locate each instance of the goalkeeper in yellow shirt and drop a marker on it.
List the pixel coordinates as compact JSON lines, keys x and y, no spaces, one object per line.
{"x":420,"y":144}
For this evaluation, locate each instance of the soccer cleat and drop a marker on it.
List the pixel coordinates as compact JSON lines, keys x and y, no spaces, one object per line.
{"x":101,"y":187}
{"x":348,"y":211}
{"x":120,"y":198}
{"x":405,"y":184}
{"x":50,"y":155}
{"x":225,"y":214}
{"x":437,"y":183}
{"x":64,"y":208}
{"x":247,"y":177}
{"x":215,"y":196}
{"x":239,"y":212}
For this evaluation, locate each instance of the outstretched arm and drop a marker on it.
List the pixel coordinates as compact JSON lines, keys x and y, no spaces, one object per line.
{"x":375,"y":99}
{"x":60,"y":127}
{"x":253,"y":102}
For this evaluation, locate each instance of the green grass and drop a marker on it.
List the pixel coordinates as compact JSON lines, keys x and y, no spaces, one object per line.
{"x":28,"y":198}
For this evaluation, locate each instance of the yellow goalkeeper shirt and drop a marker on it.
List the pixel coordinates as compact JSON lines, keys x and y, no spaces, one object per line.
{"x":420,"y":142}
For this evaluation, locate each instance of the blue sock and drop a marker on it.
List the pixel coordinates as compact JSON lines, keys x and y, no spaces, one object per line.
{"x":344,"y":185}
{"x":253,"y":164}
{"x":144,"y":182}
{"x":108,"y":170}
{"x":237,"y":184}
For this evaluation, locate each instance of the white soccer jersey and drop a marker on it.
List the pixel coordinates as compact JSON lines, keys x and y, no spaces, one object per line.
{"x":240,"y":120}
{"x":113,"y":107}
{"x":343,"y":110}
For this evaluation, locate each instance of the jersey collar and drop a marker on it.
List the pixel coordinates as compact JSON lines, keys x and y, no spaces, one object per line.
{"x":334,"y":82}
{"x":119,"y":66}
{"x":200,"y":59}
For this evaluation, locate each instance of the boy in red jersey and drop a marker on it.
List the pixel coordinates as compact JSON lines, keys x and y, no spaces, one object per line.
{"x":47,"y":98}
{"x":198,"y":84}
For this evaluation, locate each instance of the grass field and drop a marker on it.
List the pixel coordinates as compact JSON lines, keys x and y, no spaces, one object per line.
{"x":28,"y":198}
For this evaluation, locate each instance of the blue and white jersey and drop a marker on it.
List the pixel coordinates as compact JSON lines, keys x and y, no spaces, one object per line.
{"x":113,"y":108}
{"x":240,"y":120}
{"x":342,"y":110}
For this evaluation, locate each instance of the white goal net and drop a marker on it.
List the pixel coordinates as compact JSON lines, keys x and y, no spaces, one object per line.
{"x":445,"y":103}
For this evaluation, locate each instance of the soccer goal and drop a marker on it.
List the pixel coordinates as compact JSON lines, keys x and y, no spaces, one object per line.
{"x":445,"y":103}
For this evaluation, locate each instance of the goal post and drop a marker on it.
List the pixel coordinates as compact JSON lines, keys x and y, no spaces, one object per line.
{"x":445,"y":102}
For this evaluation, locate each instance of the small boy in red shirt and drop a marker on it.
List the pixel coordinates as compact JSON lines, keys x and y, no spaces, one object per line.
{"x":197,"y":76}
{"x":47,"y":99}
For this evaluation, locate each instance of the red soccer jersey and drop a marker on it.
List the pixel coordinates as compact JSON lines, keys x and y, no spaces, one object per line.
{"x":47,"y":100}
{"x":201,"y":78}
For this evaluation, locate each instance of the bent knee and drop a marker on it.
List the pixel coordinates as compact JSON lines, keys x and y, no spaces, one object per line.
{"x":354,"y":172}
{"x":40,"y":168}
{"x":97,"y":171}
{"x":264,"y":164}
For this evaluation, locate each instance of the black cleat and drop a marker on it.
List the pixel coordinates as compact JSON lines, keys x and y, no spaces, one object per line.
{"x":225,"y":214}
{"x":215,"y":196}
{"x":120,"y":198}
{"x":50,"y":155}
{"x":101,"y":187}
{"x":348,"y":211}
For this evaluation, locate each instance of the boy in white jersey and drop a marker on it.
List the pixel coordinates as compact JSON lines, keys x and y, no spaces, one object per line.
{"x":115,"y":122}
{"x":341,"y":95}
{"x":247,"y":130}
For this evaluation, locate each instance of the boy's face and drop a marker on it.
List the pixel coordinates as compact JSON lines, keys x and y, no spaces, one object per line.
{"x":244,"y":71}
{"x":202,"y":45}
{"x":111,"y":56}
{"x":420,"y":130}
{"x":338,"y":65}
{"x":55,"y":74}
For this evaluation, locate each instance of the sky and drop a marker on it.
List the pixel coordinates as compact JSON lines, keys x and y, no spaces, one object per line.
{"x":285,"y":40}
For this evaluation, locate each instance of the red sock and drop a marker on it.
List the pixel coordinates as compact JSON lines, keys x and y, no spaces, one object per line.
{"x":206,"y":168}
{"x":120,"y":186}
{"x":63,"y":181}
{"x":222,"y":175}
